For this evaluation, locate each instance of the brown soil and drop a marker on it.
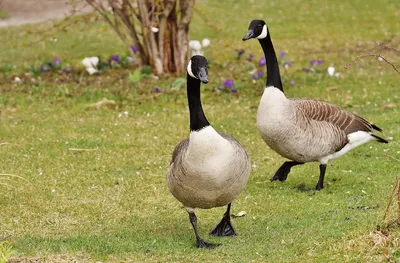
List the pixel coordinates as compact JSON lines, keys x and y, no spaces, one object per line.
{"x":34,"y":11}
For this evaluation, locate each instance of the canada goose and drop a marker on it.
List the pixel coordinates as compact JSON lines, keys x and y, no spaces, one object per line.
{"x":303,"y":130}
{"x":209,"y":169}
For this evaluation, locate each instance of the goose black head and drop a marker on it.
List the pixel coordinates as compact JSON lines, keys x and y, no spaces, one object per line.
{"x":257,"y":29}
{"x":197,"y":68}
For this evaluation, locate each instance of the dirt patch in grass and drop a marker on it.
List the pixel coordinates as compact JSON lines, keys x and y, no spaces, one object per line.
{"x":20,"y":12}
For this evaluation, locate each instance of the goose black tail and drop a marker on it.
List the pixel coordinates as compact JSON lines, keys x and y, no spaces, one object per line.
{"x":379,"y":139}
{"x":376,"y":128}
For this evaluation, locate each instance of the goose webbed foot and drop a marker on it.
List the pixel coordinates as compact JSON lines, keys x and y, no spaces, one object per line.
{"x":200,"y":243}
{"x":320,"y":184}
{"x":284,"y":171}
{"x":224,"y":228}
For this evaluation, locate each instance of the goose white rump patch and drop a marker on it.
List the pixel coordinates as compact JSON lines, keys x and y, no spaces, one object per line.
{"x":355,"y":139}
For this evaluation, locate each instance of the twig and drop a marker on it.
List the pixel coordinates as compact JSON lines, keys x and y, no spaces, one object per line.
{"x":389,"y":47}
{"x":5,"y":238}
{"x":398,"y":201}
{"x":17,"y":176}
{"x":387,"y":155}
{"x":391,"y":198}
{"x":372,"y":55}
{"x":82,"y":150}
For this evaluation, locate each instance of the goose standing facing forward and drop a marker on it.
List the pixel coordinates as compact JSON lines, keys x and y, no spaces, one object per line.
{"x":209,"y":169}
{"x":303,"y":130}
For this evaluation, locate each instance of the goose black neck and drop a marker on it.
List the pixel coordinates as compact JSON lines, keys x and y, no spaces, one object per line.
{"x":273,"y":74}
{"x":197,"y":118}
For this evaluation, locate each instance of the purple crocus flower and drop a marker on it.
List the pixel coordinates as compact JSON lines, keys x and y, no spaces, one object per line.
{"x":67,"y":69}
{"x":262,"y":61}
{"x":228,"y":83}
{"x":116,"y":58}
{"x":260,"y":73}
{"x":240,"y":52}
{"x":157,"y":90}
{"x":292,"y":82}
{"x":320,"y":62}
{"x":57,"y":61}
{"x":44,"y":68}
{"x":288,"y":63}
{"x":250,"y":57}
{"x":282,"y":54}
{"x":233,"y":90}
{"x":135,"y":49}
{"x":255,"y":76}
{"x":312,"y":62}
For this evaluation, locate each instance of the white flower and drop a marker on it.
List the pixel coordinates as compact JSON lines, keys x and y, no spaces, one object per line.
{"x":130,"y":60}
{"x":206,"y":42}
{"x":91,"y":64}
{"x":195,"y":45}
{"x":331,"y":71}
{"x":94,"y":61}
{"x":154,"y":29}
{"x":91,"y":70}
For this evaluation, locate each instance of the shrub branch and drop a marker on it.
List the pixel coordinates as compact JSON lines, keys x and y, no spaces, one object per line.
{"x":384,"y":46}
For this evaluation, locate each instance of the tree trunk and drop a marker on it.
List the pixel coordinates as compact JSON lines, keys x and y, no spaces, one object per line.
{"x":158,"y":28}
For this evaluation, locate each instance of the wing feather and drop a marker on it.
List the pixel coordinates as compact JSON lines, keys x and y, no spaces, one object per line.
{"x":179,"y":149}
{"x":322,"y":111}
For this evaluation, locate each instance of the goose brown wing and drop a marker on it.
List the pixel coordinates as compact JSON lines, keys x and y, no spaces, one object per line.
{"x":179,"y":148}
{"x":322,"y":111}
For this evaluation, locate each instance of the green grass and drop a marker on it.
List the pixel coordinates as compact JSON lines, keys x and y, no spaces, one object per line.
{"x":3,"y":14}
{"x":111,"y":203}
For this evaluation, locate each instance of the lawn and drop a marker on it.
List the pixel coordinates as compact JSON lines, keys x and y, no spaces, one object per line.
{"x":97,"y":188}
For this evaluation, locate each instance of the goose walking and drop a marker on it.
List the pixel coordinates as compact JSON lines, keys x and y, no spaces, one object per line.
{"x":303,"y":130}
{"x":209,"y":169}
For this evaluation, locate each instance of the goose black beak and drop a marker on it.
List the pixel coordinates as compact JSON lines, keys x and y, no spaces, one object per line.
{"x":249,"y":35}
{"x":202,"y":75}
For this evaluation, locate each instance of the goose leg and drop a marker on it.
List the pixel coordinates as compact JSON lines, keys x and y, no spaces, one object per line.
{"x":224,"y":228}
{"x":284,"y":171}
{"x":322,"y":169}
{"x":200,"y":243}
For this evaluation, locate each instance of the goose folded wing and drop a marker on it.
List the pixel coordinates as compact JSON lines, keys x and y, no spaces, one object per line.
{"x":325,"y":112}
{"x":179,"y":149}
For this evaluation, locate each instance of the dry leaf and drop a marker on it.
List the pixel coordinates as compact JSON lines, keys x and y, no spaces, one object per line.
{"x":240,"y":214}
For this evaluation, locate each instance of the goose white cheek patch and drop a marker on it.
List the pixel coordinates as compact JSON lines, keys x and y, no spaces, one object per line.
{"x":189,"y":70}
{"x":263,"y":33}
